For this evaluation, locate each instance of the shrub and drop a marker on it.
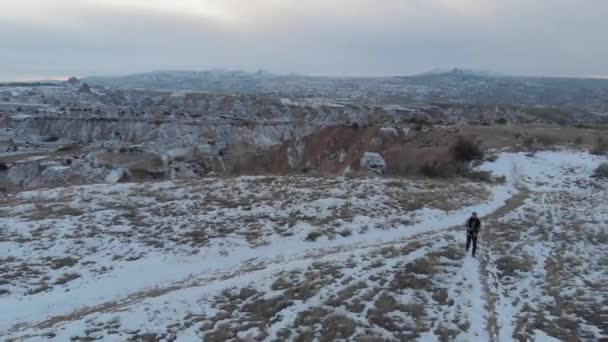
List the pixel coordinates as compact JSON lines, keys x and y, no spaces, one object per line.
{"x":546,"y":140}
{"x":436,"y":169}
{"x":465,"y":150}
{"x":432,"y":169}
{"x":600,"y":148}
{"x":67,"y":278}
{"x":501,"y":121}
{"x":539,"y":141}
{"x":500,"y":179}
{"x":58,"y":263}
{"x":479,"y":176}
{"x":578,"y":140}
{"x":346,"y":232}
{"x":313,"y":236}
{"x":529,"y":142}
{"x":601,"y":171}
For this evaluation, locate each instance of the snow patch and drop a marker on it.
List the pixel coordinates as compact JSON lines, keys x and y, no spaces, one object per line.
{"x":390,"y":131}
{"x":373,"y":162}
{"x":545,"y":171}
{"x":116,"y":175}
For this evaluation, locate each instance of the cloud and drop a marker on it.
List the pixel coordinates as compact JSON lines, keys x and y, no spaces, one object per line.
{"x":334,"y":37}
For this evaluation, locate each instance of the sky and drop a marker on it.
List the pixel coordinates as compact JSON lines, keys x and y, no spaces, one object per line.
{"x":59,"y":38}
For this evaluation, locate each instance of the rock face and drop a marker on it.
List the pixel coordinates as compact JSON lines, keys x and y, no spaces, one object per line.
{"x":23,"y":173}
{"x":32,"y":174}
{"x":177,"y":119}
{"x":338,"y":150}
{"x":94,"y":134}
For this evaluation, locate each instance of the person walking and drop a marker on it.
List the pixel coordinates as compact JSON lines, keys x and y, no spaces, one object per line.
{"x":473,"y":226}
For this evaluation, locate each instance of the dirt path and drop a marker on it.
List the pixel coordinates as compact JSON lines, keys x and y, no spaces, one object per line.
{"x":487,"y":277}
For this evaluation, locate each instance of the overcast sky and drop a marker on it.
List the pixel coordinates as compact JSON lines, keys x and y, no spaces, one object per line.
{"x":59,"y":38}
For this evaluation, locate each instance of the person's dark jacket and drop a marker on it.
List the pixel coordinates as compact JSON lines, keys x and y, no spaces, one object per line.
{"x":473,"y":225}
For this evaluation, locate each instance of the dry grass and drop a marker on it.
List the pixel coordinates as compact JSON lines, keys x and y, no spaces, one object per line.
{"x":509,"y":266}
{"x":58,"y":263}
{"x":45,"y":212}
{"x":64,"y":279}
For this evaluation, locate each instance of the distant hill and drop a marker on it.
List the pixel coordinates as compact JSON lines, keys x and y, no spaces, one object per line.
{"x":458,"y":71}
{"x":460,"y":86}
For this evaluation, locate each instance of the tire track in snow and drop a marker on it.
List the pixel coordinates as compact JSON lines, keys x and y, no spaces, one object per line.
{"x":474,"y":276}
{"x":489,"y":277}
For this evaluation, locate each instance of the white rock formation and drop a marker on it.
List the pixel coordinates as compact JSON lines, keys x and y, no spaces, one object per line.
{"x":373,"y":162}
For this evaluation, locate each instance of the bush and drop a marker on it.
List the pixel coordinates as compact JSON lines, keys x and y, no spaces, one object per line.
{"x":529,"y":142}
{"x":540,"y":141}
{"x":313,"y":236}
{"x":465,"y":150}
{"x":436,"y":169}
{"x":345,"y":232}
{"x":501,"y":121}
{"x":431,"y":169}
{"x":546,"y":140}
{"x":600,"y":148}
{"x":601,"y":171}
{"x":479,"y":176}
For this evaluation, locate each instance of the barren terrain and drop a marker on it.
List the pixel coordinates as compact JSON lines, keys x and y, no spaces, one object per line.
{"x":309,"y":258}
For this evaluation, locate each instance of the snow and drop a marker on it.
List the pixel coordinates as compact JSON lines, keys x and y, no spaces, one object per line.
{"x":476,"y":310}
{"x":21,"y":116}
{"x":182,"y":153}
{"x":545,"y":171}
{"x":35,"y":158}
{"x":159,"y":269}
{"x":194,"y":279}
{"x":391,"y":131}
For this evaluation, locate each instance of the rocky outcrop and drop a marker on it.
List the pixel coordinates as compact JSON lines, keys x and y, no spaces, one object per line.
{"x":84,"y":89}
{"x":334,"y":150}
{"x":73,"y":81}
{"x":373,"y":162}
{"x":23,"y":173}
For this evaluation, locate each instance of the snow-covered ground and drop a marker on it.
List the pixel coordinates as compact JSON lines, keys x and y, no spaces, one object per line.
{"x":304,"y":258}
